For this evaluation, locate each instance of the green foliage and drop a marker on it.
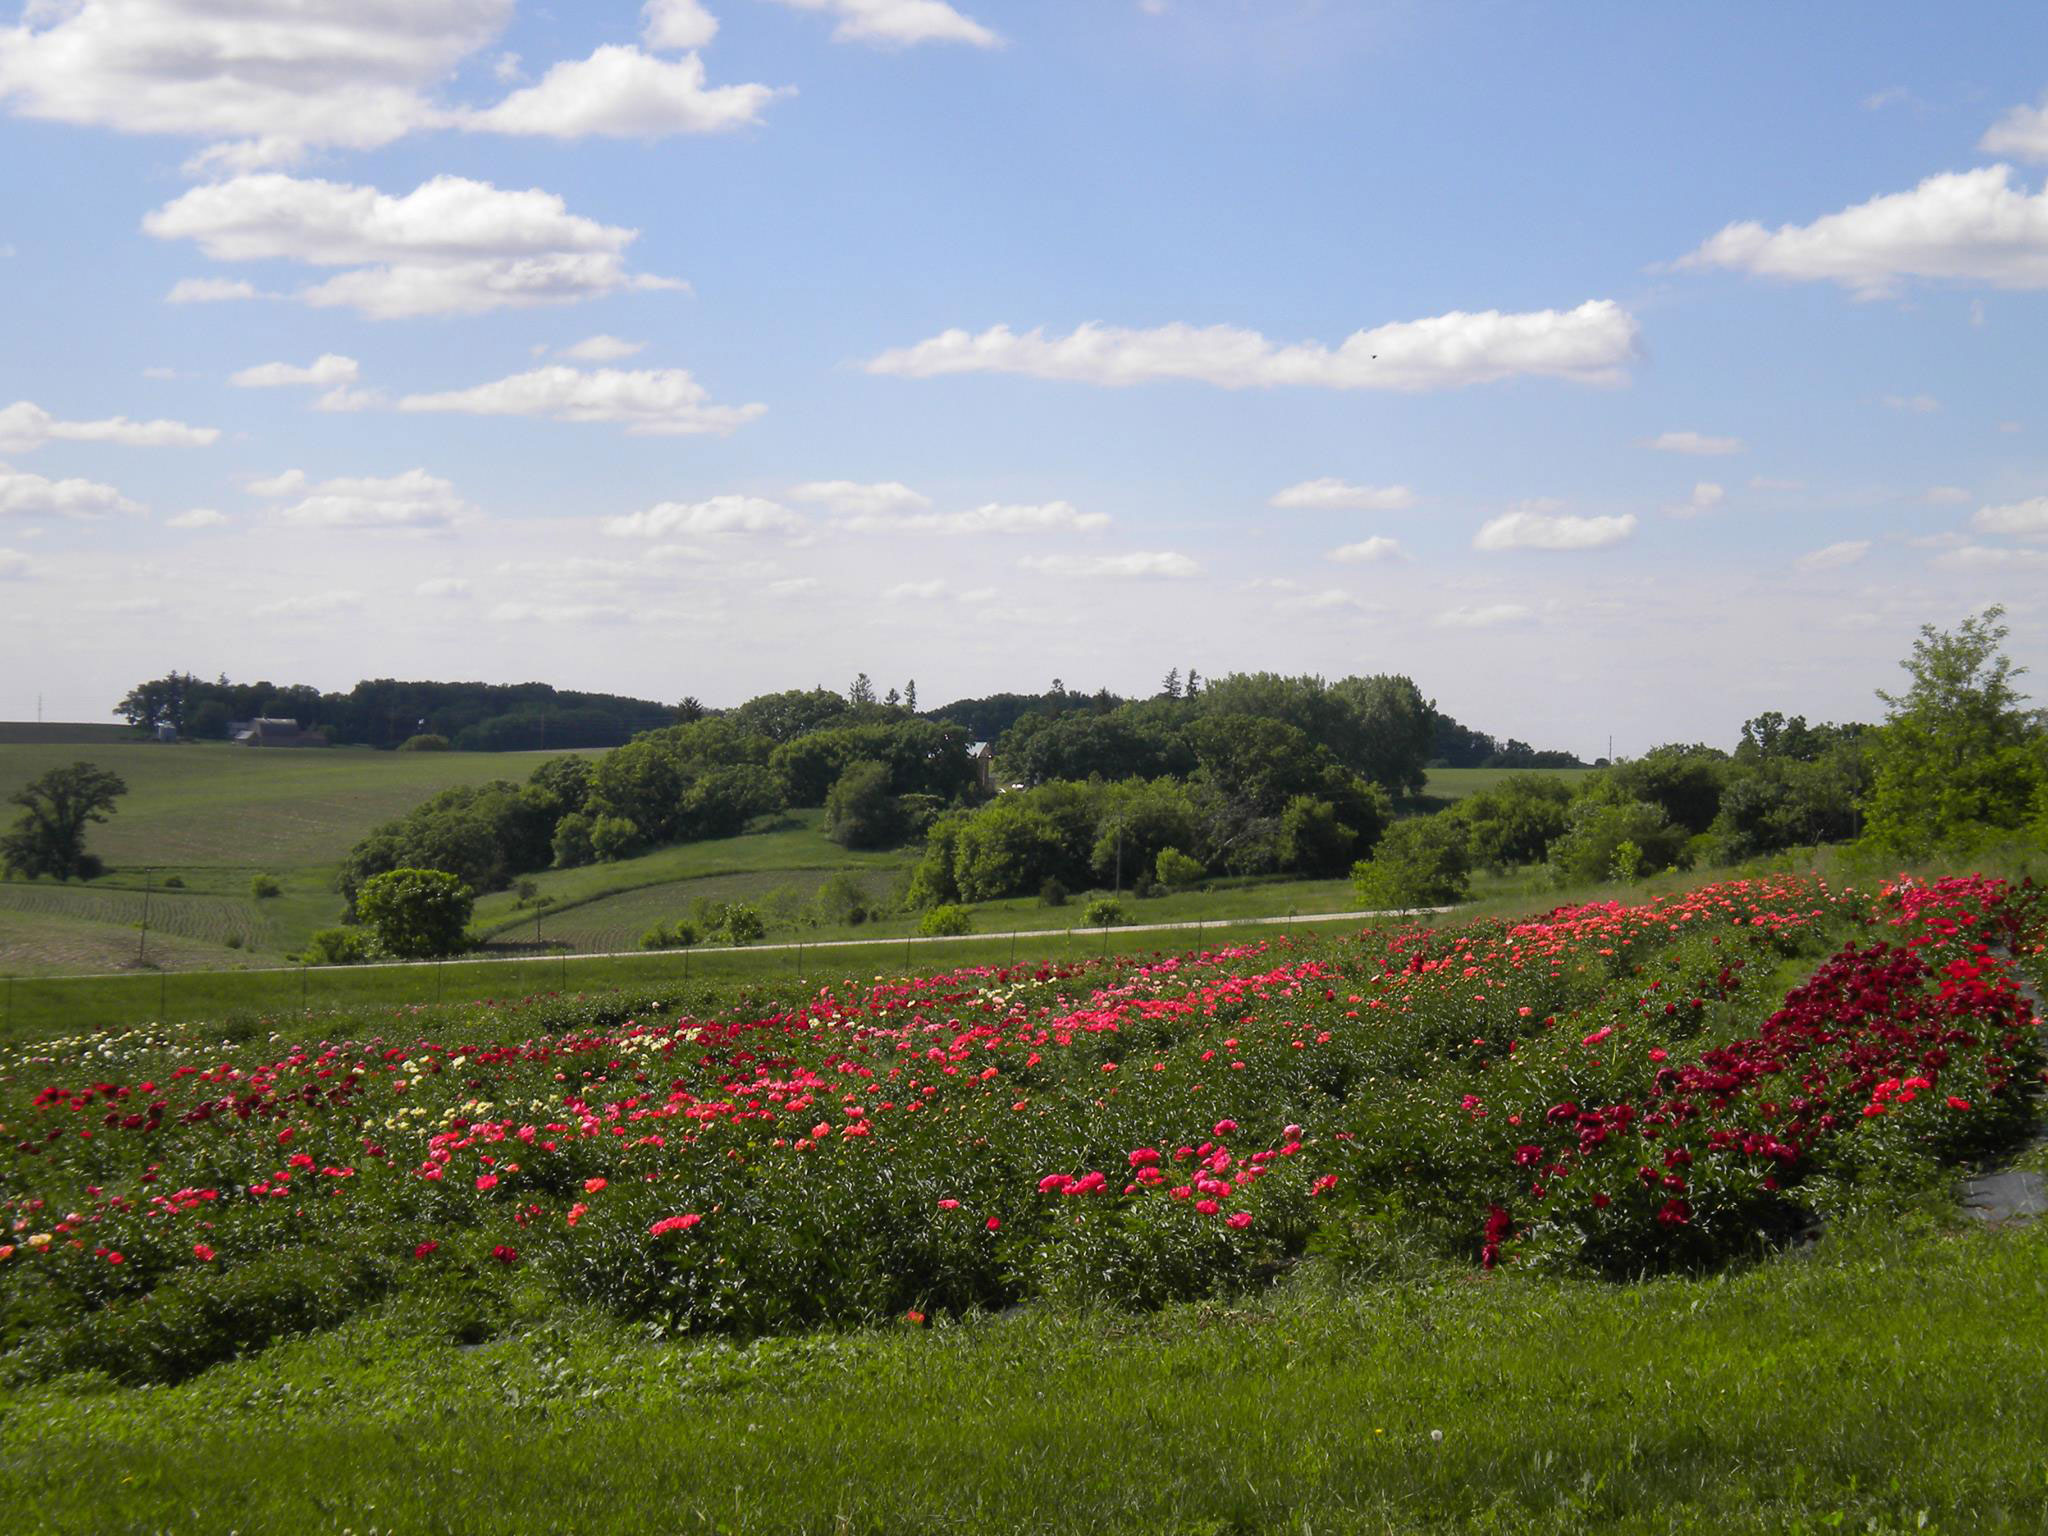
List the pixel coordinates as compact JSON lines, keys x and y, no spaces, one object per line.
{"x":1312,"y":840}
{"x":1598,"y":826}
{"x":1516,"y":821}
{"x":946,"y":922}
{"x":1425,"y":861}
{"x":416,"y":914}
{"x":573,"y":844}
{"x":1104,"y":912}
{"x":338,"y":946}
{"x":263,"y":887}
{"x":732,"y":923}
{"x":843,"y":901}
{"x":1956,"y":761}
{"x":676,"y":935}
{"x":49,"y":837}
{"x":613,"y":838}
{"x":860,"y":810}
{"x":1175,"y":870}
{"x":426,"y":741}
{"x":1052,"y":893}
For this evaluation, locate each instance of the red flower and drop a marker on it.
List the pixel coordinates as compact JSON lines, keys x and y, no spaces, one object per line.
{"x":994,"y":1224}
{"x":592,"y":1186}
{"x":1956,"y":1103}
{"x":504,"y":1255}
{"x":1225,"y":1127}
{"x":669,"y":1224}
{"x":1238,"y":1219}
{"x":949,"y":1205}
{"x":487,"y":1181}
{"x":202,"y":1253}
{"x":429,"y":1246}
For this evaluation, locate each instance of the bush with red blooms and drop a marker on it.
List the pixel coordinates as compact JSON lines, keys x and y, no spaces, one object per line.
{"x":1625,"y":1088}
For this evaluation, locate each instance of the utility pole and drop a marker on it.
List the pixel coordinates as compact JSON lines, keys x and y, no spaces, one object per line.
{"x":142,"y":941}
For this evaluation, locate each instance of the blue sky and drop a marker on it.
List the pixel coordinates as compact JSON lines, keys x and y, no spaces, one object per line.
{"x":1606,"y":368}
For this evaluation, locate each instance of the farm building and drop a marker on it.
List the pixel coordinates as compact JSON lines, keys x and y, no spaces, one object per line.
{"x":266,"y":732}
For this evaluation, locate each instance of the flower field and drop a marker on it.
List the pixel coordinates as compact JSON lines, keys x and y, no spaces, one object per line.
{"x":1610,"y":1089}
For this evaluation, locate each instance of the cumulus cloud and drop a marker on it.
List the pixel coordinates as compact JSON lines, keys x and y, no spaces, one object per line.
{"x":1705,"y":497}
{"x":210,"y":290}
{"x":1482,"y":617}
{"x":1535,"y":526}
{"x":1946,"y":496}
{"x":450,"y":246}
{"x":2028,"y":519}
{"x":620,"y":92}
{"x":1138,"y":563}
{"x":443,"y":587}
{"x":261,"y":80}
{"x":2021,"y":133}
{"x":850,"y":498}
{"x":899,"y":23}
{"x":1915,"y":405}
{"x":1591,"y":344}
{"x":312,"y":605}
{"x":325,"y":372}
{"x":1050,"y":517}
{"x":198,"y":517}
{"x":14,"y":565}
{"x":1980,"y":557}
{"x":915,"y":590}
{"x":677,"y":24}
{"x":1695,"y":443}
{"x":1330,"y":494}
{"x":1366,"y":551}
{"x":1833,"y":556}
{"x":663,"y":402}
{"x":26,"y":495}
{"x":25,"y":426}
{"x":414,"y":500}
{"x":1325,"y":601}
{"x":582,"y":615}
{"x":1965,"y":226}
{"x":721,"y":514}
{"x":602,"y":349}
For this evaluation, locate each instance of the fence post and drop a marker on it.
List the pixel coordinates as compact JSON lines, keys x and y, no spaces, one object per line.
{"x":163,"y":992}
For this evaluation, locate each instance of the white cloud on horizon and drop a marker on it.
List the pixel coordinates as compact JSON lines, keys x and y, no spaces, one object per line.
{"x":2027,"y":519}
{"x":1591,"y":344}
{"x":1832,"y":557}
{"x":1330,"y":494}
{"x":450,"y":246}
{"x":326,"y":371}
{"x":1143,"y":563}
{"x":1367,"y":551}
{"x":1979,"y":557}
{"x":720,"y":514}
{"x":851,"y":498}
{"x":1482,"y":617}
{"x":1695,"y":443}
{"x":443,"y":587}
{"x":1535,"y":526}
{"x":1946,"y":496}
{"x":899,"y":23}
{"x":14,"y":565}
{"x":601,"y":348}
{"x":198,"y":517}
{"x":994,"y":517}
{"x":25,"y":495}
{"x":1964,"y":226}
{"x":661,"y":402}
{"x":25,"y":426}
{"x":413,"y":501}
{"x":312,"y":605}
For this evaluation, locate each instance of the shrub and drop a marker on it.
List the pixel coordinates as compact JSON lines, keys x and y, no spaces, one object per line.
{"x":1176,"y":871}
{"x":263,"y":887}
{"x":729,"y":922}
{"x":426,"y":741}
{"x":842,"y":901}
{"x":1422,"y":862}
{"x":613,"y":838}
{"x":174,"y":882}
{"x":676,"y":935}
{"x":946,"y":922}
{"x":1052,"y":893}
{"x":337,"y":946}
{"x":417,"y":914}
{"x":571,"y":842}
{"x":1104,"y":912}
{"x":859,"y":810}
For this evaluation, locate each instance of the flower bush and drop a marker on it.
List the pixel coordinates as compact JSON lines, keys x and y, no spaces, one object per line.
{"x":1614,"y":1087}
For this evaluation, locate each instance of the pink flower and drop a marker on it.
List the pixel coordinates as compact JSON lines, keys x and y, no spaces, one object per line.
{"x":669,"y":1224}
{"x":949,"y":1205}
{"x":1207,"y":1207}
{"x":994,"y":1224}
{"x":1238,"y":1219}
{"x":1225,"y":1127}
{"x":487,"y":1181}
{"x":592,"y":1186}
{"x":202,"y":1253}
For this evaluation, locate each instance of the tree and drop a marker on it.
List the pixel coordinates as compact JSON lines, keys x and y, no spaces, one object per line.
{"x":49,"y":839}
{"x":861,"y":692}
{"x":859,"y":810}
{"x":1169,"y":688}
{"x":910,"y":696}
{"x":1425,"y":861}
{"x":417,"y":914}
{"x":1956,"y":759}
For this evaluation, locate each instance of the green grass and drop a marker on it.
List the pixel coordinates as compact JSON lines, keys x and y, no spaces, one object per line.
{"x":1884,"y":1381}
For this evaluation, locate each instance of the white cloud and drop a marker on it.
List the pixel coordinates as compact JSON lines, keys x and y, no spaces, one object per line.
{"x":2028,"y":519}
{"x":1051,"y":517}
{"x":582,"y":615}
{"x":1153,"y":7}
{"x":161,"y":374}
{"x":1916,"y":405}
{"x":1481,"y":617}
{"x":1591,"y":344}
{"x":1161,"y":563}
{"x":900,"y":23}
{"x":790,"y":586}
{"x":1330,"y":494}
{"x":326,"y":371}
{"x":620,"y":92}
{"x":664,"y":402}
{"x":1325,"y":601}
{"x":677,"y":24}
{"x":1534,"y":526}
{"x":450,"y":246}
{"x":1890,"y":96}
{"x":852,"y":499}
{"x":1833,"y":556}
{"x":210,"y":290}
{"x":311,"y":606}
{"x":26,"y":495}
{"x":2021,"y":133}
{"x":413,"y":500}
{"x":198,"y":517}
{"x":602,"y":349}
{"x":1964,"y":226}
{"x":1693,"y":442}
{"x":346,"y":399}
{"x":505,"y":68}
{"x":1705,"y":497}
{"x":443,"y":586}
{"x":1978,"y":557}
{"x":721,"y":514}
{"x":1366,"y":551}
{"x":25,"y":426}
{"x":14,"y":565}
{"x":1946,"y":495}
{"x":261,"y":80}
{"x":915,"y":590}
